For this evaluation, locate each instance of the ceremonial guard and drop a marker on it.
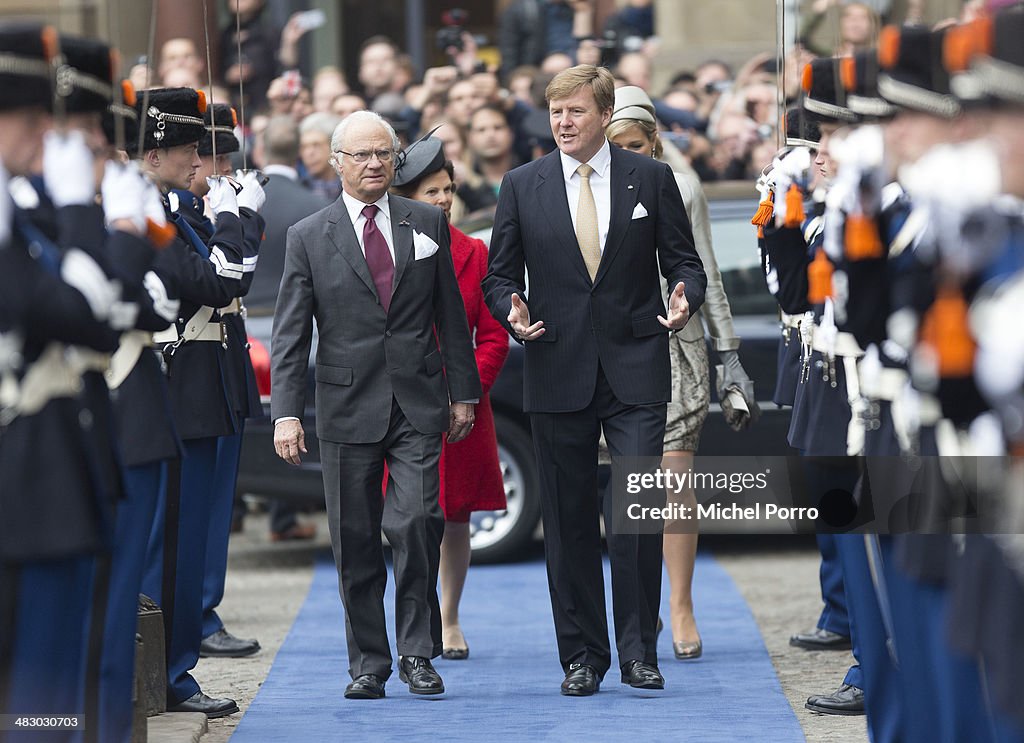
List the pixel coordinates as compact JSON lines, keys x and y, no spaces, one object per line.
{"x":799,"y":274}
{"x":54,"y":503}
{"x":785,"y":246}
{"x":193,"y":349}
{"x":215,"y":149}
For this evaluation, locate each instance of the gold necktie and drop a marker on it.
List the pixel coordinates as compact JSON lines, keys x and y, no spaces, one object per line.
{"x":586,"y":223}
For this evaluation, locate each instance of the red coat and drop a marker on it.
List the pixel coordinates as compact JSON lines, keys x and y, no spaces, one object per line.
{"x":470,"y":474}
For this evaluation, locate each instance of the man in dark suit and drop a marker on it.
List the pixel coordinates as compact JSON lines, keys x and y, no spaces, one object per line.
{"x":592,"y":223}
{"x":376,"y":273}
{"x":288,"y":201}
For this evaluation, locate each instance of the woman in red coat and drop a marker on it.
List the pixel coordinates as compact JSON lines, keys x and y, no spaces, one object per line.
{"x":470,"y":474}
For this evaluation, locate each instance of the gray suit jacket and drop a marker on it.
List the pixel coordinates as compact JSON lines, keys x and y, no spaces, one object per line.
{"x":366,"y":357}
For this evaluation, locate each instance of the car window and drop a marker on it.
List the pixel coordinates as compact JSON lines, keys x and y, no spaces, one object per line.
{"x":735,"y":243}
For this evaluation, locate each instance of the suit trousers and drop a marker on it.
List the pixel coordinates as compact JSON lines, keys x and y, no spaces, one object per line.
{"x":566,"y":448}
{"x":411,"y":518}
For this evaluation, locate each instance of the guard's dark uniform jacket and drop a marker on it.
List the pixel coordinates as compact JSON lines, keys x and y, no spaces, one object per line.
{"x":53,"y":501}
{"x":239,"y":374}
{"x":210,"y":277}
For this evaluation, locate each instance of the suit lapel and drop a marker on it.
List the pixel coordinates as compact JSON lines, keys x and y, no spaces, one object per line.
{"x":551,"y":192}
{"x":401,"y":233}
{"x":625,"y":192}
{"x":340,"y":232}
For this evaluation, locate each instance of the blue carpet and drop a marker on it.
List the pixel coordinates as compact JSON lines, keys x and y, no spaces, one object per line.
{"x":508,"y":689}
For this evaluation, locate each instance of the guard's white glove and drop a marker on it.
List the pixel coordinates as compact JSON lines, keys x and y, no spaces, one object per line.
{"x":222,"y":197}
{"x":80,"y":271}
{"x":123,"y":190}
{"x":68,"y":168}
{"x":252,"y":195}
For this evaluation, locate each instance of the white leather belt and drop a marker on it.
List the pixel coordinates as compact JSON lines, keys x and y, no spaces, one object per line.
{"x":50,"y":377}
{"x":198,"y":328}
{"x":235,"y":308}
{"x":885,"y":384}
{"x":791,"y":321}
{"x":845,"y":345}
{"x":127,"y":355}
{"x":86,"y":360}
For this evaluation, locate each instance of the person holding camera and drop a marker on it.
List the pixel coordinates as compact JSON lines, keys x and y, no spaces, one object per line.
{"x":530,"y":30}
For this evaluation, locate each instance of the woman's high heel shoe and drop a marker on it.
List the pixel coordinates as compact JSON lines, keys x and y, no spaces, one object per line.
{"x":688,"y":650}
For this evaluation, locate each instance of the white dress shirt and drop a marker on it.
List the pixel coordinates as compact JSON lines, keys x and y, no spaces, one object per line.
{"x":285,"y":171}
{"x":600,"y":185}
{"x":383,"y":219}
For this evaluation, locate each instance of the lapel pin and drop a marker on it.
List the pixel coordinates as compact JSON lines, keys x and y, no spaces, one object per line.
{"x":629,"y":187}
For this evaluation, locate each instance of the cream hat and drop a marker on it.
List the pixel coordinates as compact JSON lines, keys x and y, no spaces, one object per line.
{"x":633,"y":104}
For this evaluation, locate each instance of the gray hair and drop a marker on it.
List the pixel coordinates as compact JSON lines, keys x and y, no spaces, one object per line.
{"x":320,"y":121}
{"x":362,"y":116}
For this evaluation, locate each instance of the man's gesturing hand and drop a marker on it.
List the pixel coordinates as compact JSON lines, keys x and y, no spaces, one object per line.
{"x":461,"y":421}
{"x":289,"y":441}
{"x":519,"y":319}
{"x":678,"y":309}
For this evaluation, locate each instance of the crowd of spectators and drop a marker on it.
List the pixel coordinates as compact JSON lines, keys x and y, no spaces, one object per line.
{"x":722,"y":119}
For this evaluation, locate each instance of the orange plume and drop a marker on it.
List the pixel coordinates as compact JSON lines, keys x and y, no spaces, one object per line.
{"x":862,"y":239}
{"x":889,"y":47}
{"x":848,"y":73}
{"x":807,"y":79}
{"x":128,"y":92}
{"x":202,"y":101}
{"x":946,"y":331}
{"x":795,"y":214}
{"x":51,"y":42}
{"x":819,"y":278}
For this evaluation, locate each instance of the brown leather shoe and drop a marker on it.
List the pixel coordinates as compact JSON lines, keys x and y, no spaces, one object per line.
{"x":294,"y":532}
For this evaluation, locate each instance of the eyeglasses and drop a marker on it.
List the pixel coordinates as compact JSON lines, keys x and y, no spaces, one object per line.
{"x":364,"y":156}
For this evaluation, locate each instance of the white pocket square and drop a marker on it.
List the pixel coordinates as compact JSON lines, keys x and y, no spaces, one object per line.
{"x":424,"y":246}
{"x":639,"y":212}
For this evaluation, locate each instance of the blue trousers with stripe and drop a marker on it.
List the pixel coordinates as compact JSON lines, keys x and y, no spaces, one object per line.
{"x":135,"y":516}
{"x":184,"y":626}
{"x":229,"y":449}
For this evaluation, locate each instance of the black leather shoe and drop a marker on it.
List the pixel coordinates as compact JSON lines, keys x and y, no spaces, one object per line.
{"x":846,"y":700}
{"x":366,"y":686}
{"x":642,"y":675}
{"x":820,"y":639}
{"x":209,"y":706}
{"x":420,"y":675}
{"x":223,"y":644}
{"x":580,"y":681}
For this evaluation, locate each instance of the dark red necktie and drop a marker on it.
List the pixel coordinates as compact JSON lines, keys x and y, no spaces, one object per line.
{"x":378,"y":257}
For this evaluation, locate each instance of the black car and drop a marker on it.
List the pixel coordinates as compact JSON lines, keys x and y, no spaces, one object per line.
{"x":503,"y":535}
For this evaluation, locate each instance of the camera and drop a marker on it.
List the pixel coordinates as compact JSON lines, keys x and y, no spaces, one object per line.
{"x":449,"y":36}
{"x":613,"y":45}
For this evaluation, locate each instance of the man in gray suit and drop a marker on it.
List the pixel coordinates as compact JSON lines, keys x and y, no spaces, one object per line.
{"x":376,"y":273}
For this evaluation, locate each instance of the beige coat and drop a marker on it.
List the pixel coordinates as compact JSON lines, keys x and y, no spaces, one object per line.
{"x":715,"y":317}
